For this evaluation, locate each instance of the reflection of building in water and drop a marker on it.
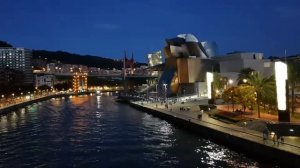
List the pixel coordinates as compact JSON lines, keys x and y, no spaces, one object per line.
{"x":98,"y":102}
{"x":80,"y":82}
{"x":186,"y":64}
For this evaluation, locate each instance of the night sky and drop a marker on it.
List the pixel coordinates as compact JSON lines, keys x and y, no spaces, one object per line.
{"x":108,"y":27}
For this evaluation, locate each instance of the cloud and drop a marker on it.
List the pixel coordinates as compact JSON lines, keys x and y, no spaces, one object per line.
{"x":106,"y":26}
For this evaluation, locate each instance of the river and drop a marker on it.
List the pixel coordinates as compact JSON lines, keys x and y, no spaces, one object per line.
{"x":95,"y":131}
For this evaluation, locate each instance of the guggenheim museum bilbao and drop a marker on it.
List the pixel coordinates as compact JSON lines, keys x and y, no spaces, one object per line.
{"x":187,"y":60}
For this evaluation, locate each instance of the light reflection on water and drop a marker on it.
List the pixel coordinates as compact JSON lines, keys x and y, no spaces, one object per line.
{"x":92,"y":131}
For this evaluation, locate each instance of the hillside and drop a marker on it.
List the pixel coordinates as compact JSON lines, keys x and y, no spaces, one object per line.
{"x":4,"y":44}
{"x":70,"y":58}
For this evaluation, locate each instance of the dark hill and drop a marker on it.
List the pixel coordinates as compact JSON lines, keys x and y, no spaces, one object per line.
{"x":87,"y":60}
{"x":5,"y":44}
{"x":70,"y":58}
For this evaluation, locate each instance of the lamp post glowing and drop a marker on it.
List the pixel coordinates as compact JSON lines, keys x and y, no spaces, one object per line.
{"x":2,"y":99}
{"x":165,"y":85}
{"x":281,"y":90}
{"x":13,"y":97}
{"x":156,"y":90}
{"x":209,"y":80}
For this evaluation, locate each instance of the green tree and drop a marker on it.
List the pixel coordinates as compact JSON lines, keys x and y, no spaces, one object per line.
{"x":218,"y":83}
{"x":263,"y":87}
{"x":270,"y":100}
{"x":230,"y":95}
{"x":245,"y":74}
{"x":293,"y":79}
{"x":245,"y":95}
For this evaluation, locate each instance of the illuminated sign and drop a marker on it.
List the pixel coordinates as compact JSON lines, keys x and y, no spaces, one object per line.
{"x":209,"y":80}
{"x":281,"y":77}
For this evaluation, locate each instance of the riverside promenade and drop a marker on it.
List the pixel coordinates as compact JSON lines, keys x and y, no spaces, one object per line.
{"x":8,"y":107}
{"x":246,"y":140}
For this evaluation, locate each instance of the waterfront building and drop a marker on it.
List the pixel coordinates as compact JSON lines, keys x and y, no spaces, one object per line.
{"x":186,"y":64}
{"x":65,"y":68}
{"x":232,"y":64}
{"x":18,"y":59}
{"x":10,"y":77}
{"x":154,"y":58}
{"x":211,"y":48}
{"x":80,"y":82}
{"x":41,"y":80}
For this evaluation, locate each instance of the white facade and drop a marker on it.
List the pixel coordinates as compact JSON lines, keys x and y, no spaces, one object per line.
{"x":233,"y":63}
{"x":44,"y":80}
{"x":155,"y":58}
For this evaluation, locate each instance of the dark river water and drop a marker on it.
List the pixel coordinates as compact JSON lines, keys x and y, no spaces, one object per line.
{"x":94,"y":131}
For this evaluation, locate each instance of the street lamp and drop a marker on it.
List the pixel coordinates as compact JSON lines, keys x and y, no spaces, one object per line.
{"x":13,"y":96}
{"x":2,"y":97}
{"x":165,"y":85}
{"x":156,"y":91}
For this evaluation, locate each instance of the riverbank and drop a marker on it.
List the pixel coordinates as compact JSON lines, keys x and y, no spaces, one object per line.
{"x":6,"y":109}
{"x":239,"y":138}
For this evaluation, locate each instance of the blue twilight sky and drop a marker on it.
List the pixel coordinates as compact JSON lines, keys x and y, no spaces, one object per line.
{"x":108,"y":27}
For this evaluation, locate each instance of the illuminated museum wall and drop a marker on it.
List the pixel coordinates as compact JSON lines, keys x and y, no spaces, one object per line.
{"x":187,"y":62}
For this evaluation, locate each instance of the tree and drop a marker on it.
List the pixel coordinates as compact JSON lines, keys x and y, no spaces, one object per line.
{"x":218,"y":83}
{"x":293,"y":79}
{"x":245,"y":74}
{"x":270,"y":99}
{"x":230,"y":95}
{"x":245,"y":95}
{"x":263,"y":87}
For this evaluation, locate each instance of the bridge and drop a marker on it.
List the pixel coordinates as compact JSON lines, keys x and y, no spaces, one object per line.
{"x":101,"y":75}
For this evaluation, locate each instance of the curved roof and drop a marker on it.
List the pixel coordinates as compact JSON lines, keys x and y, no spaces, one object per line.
{"x":188,"y":37}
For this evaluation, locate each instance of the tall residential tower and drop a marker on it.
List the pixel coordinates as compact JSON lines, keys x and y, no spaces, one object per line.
{"x":17,"y":60}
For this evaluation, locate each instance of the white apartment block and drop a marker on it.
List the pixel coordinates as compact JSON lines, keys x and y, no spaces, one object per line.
{"x":41,"y":80}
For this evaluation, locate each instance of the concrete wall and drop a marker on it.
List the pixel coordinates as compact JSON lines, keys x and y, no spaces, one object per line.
{"x":258,"y":151}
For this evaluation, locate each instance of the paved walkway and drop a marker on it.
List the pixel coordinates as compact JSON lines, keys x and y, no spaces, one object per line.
{"x":9,"y":103}
{"x":290,"y":144}
{"x":253,"y":115}
{"x":36,"y":98}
